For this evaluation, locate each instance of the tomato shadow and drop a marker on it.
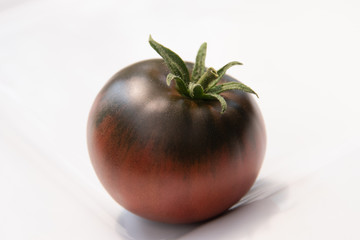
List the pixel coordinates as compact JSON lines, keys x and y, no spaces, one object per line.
{"x":251,"y":214}
{"x":133,"y":227}
{"x":264,"y":200}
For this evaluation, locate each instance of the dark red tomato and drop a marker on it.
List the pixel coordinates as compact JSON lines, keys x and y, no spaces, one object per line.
{"x":168,"y":157}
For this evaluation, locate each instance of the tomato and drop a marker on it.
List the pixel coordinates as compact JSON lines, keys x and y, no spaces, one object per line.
{"x":166,"y":155}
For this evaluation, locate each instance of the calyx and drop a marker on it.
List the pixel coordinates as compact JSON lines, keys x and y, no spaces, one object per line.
{"x":203,"y":82}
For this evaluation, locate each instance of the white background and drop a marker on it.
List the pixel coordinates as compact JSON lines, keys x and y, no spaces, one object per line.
{"x":302,"y":57}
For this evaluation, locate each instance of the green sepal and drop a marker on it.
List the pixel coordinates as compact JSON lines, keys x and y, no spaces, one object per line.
{"x":195,"y":90}
{"x":180,"y":84}
{"x":169,"y":78}
{"x":221,"y":72}
{"x":231,"y":86}
{"x":219,"y":98}
{"x":175,"y":64}
{"x":199,"y":67}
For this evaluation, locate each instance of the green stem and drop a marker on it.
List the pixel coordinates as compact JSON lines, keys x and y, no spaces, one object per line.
{"x":208,"y":77}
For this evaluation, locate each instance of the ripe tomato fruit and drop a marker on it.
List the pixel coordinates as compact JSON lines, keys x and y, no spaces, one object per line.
{"x":167,"y":146}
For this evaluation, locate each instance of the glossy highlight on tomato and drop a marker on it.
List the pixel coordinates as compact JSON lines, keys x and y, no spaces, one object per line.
{"x":169,"y":157}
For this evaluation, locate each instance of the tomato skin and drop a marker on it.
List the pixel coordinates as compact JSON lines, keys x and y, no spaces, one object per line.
{"x":169,"y":158}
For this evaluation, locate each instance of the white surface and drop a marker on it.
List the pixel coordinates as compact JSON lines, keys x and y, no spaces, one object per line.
{"x":302,"y":57}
